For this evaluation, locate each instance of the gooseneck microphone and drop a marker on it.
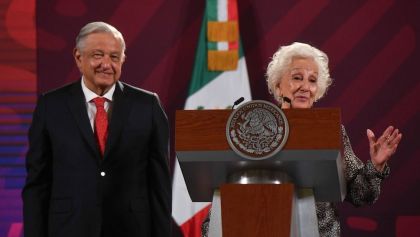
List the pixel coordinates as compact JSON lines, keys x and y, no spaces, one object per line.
{"x":287,"y":100}
{"x":238,"y":101}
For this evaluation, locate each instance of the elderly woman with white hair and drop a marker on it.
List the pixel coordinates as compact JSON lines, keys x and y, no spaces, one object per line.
{"x":298,"y":76}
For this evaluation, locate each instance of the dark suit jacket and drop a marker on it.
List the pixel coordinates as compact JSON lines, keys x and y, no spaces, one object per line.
{"x":65,"y":193}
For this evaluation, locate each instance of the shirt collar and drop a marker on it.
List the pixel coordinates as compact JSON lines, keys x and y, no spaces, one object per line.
{"x":90,"y":95}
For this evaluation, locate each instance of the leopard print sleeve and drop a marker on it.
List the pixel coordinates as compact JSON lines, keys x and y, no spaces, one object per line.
{"x":363,"y":180}
{"x":205,"y":225}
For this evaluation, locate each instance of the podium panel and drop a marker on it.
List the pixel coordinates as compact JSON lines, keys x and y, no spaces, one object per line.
{"x":271,"y":197}
{"x":311,"y":156}
{"x":256,"y":210}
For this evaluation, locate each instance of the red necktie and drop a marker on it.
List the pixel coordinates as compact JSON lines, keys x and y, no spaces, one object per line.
{"x":101,"y":123}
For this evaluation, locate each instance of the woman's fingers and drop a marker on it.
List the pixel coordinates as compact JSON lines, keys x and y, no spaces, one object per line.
{"x":371,"y":137}
{"x":386,"y":134}
{"x":395,"y":140}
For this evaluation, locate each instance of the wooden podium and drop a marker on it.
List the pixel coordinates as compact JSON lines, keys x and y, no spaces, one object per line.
{"x":311,"y":158}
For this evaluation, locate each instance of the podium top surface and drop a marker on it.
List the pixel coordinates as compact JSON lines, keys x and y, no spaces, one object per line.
{"x":206,"y":129}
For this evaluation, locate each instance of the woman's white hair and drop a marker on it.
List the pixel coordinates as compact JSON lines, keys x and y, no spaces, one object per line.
{"x":98,"y":27}
{"x":283,"y":58}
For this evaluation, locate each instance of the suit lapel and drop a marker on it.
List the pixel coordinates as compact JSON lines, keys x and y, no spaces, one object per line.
{"x":120,"y":110}
{"x":78,"y":109}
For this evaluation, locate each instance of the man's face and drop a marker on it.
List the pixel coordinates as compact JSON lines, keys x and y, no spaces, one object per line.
{"x":100,"y":60}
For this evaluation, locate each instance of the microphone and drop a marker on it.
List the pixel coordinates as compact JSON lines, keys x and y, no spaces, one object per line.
{"x":238,"y":101}
{"x":287,"y":100}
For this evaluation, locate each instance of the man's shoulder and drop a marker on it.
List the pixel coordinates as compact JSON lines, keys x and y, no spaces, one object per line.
{"x":63,"y":90}
{"x":136,"y":91}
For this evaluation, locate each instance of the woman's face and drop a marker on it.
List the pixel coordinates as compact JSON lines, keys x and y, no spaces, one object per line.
{"x":299,"y":83}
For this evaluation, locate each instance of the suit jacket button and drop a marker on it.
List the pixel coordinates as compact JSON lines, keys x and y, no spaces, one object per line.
{"x":103,"y":174}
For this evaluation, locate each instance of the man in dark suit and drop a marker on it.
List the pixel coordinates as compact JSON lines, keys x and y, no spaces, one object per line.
{"x":98,"y":151}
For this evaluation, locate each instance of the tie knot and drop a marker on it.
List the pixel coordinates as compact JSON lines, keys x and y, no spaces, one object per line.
{"x":99,"y":102}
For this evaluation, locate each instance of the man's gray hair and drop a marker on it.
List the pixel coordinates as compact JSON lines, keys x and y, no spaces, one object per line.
{"x":98,"y":27}
{"x":283,"y":58}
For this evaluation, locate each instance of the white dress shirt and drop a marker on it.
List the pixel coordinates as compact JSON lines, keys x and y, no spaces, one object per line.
{"x":90,"y":105}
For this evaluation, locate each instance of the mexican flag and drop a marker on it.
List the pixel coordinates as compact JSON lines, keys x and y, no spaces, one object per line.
{"x":219,"y":78}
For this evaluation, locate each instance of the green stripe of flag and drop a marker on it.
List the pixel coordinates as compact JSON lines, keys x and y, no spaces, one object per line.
{"x":211,"y":45}
{"x":201,"y":75}
{"x":212,"y":10}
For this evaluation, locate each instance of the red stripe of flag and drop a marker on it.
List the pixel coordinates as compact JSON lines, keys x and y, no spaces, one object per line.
{"x":233,"y":16}
{"x":232,"y":10}
{"x":192,"y":227}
